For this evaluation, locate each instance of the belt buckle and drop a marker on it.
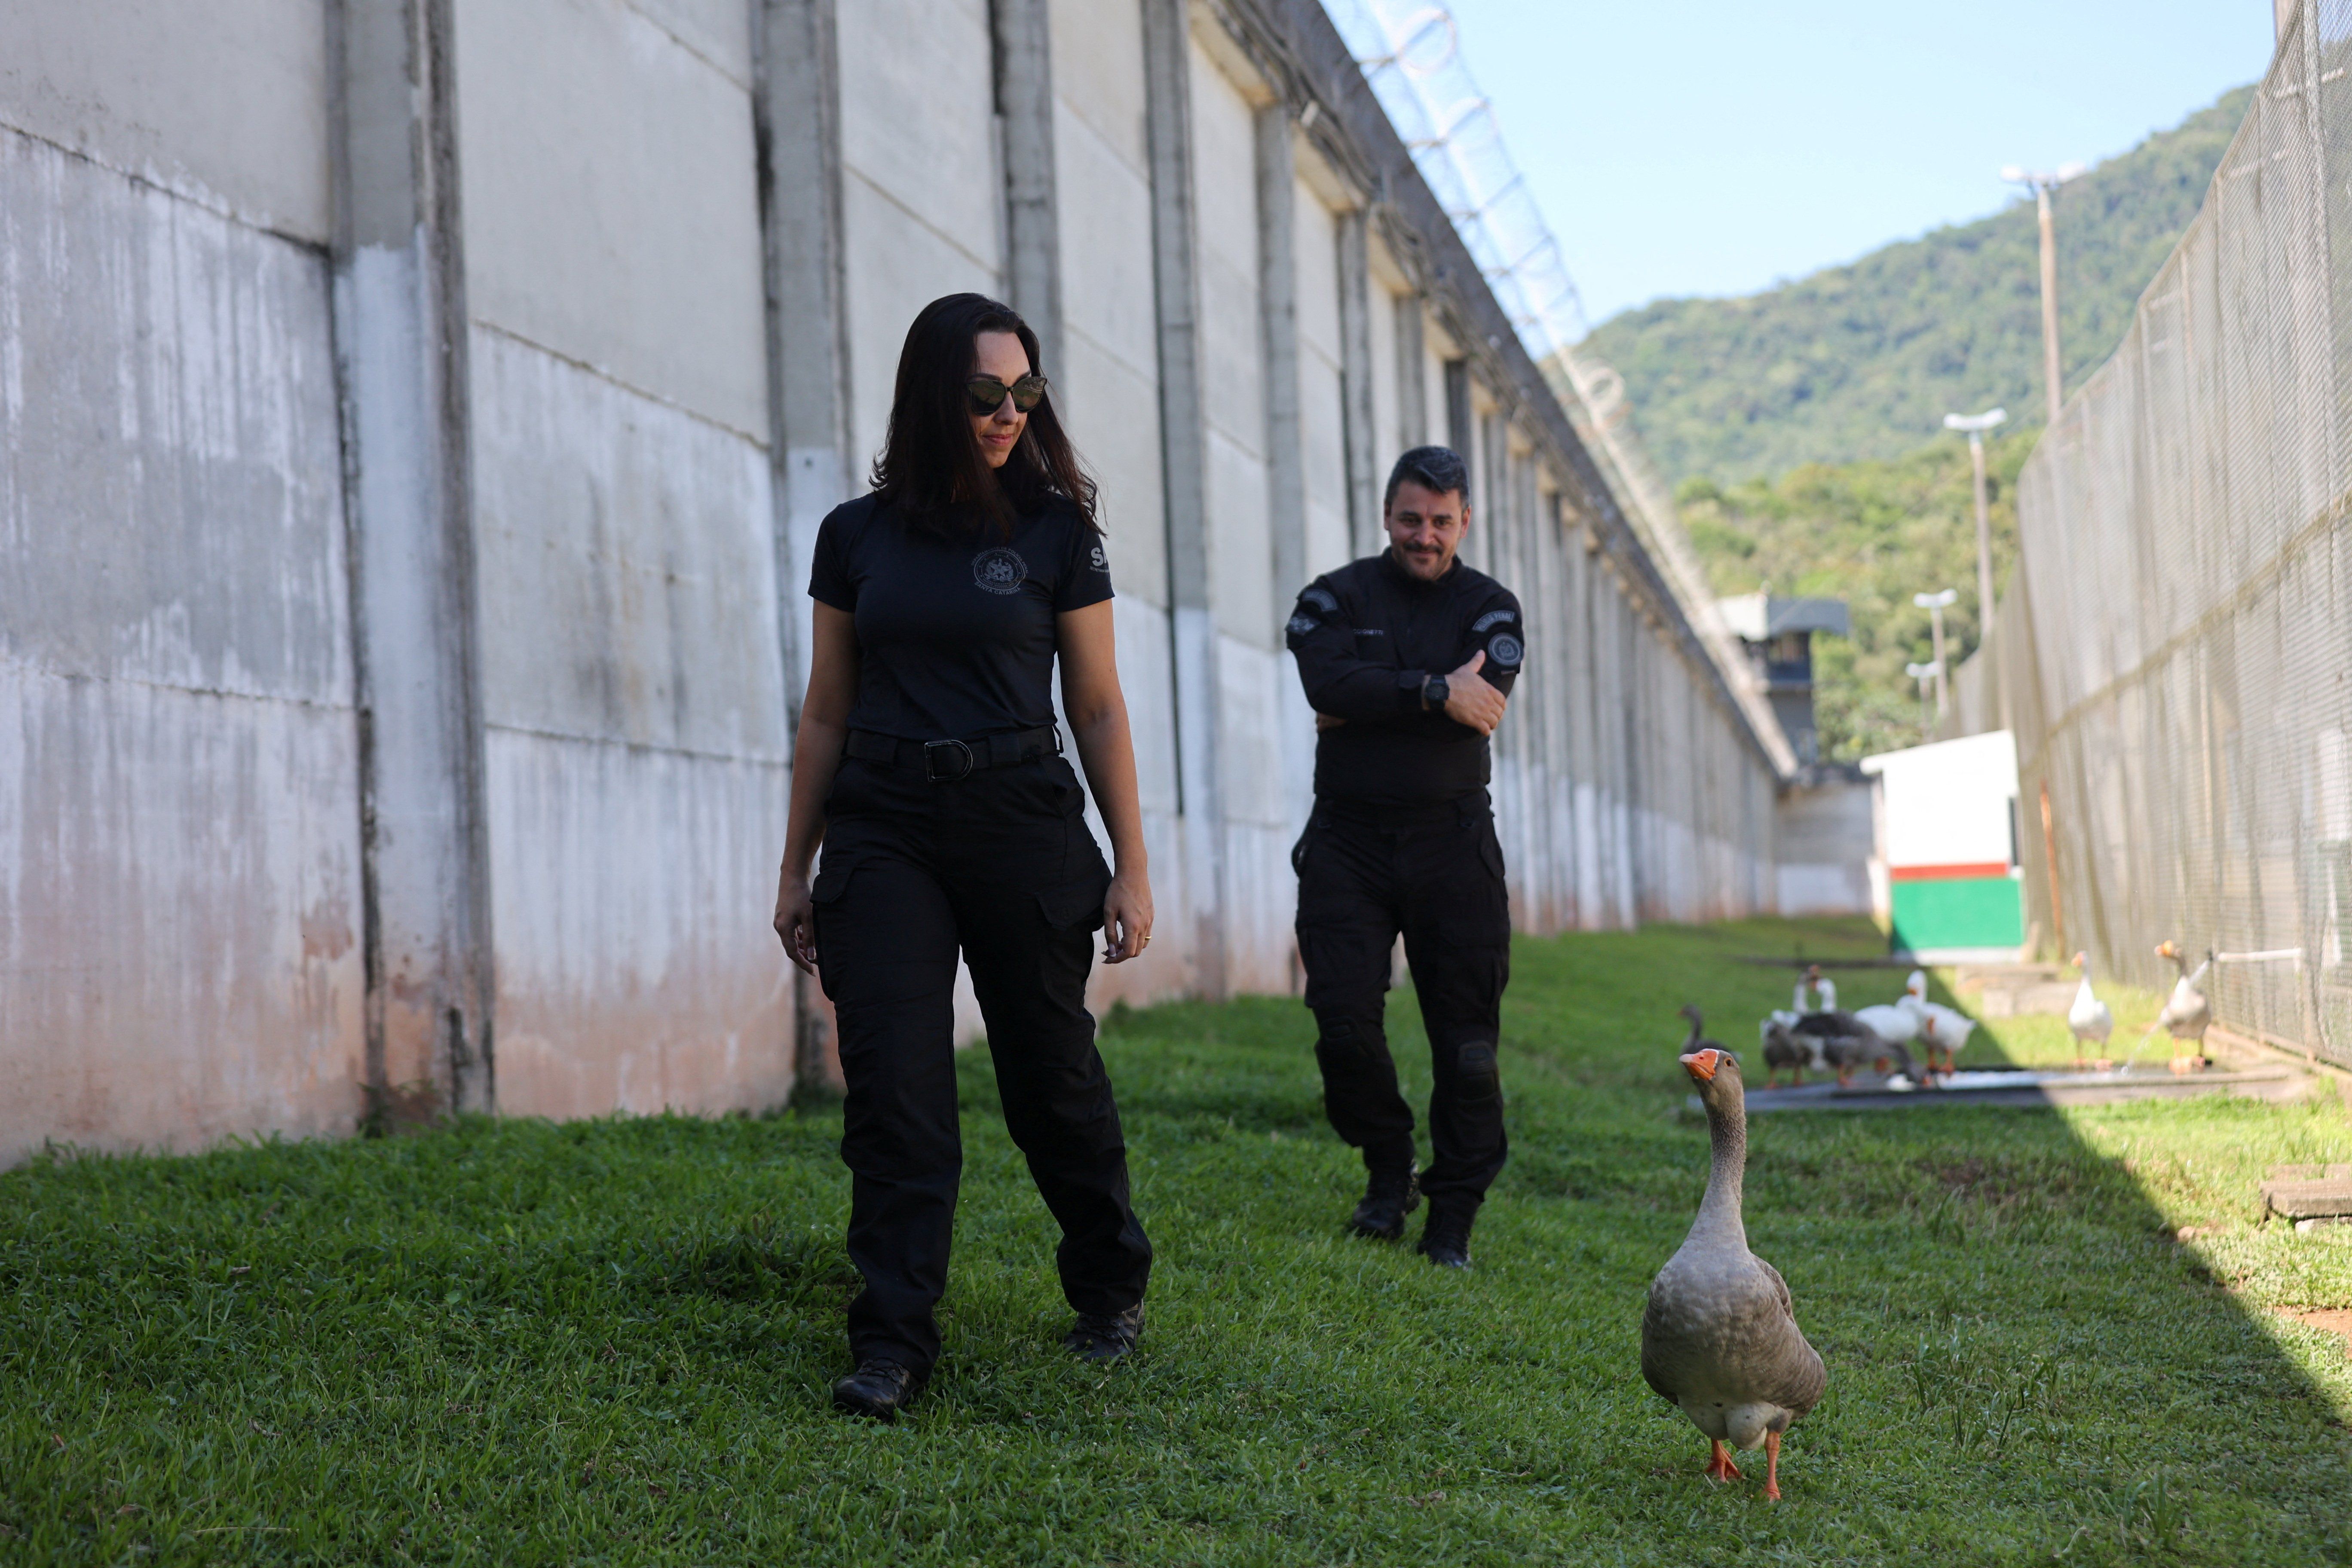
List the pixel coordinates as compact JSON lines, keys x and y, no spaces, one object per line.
{"x":933,"y":750}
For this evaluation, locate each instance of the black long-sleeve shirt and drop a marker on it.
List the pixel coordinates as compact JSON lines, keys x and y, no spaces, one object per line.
{"x":1367,"y":637}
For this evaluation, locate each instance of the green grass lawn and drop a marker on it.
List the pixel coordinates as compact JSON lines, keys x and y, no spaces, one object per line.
{"x":610,"y":1342}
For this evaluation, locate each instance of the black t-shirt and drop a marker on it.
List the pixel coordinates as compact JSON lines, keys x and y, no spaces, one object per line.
{"x":955,"y":637}
{"x":1367,"y":637}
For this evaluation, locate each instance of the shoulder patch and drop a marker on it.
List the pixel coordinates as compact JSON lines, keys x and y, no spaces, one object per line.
{"x":1322,"y":598}
{"x":1493,"y":617}
{"x":1506,"y":650}
{"x":1301,"y":623}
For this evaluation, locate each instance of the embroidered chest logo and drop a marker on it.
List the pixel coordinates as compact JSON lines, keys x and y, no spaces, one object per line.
{"x":1000,"y":571}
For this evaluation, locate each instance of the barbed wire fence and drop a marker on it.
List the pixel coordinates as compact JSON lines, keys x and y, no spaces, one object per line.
{"x":1410,"y":53}
{"x":2174,"y":653}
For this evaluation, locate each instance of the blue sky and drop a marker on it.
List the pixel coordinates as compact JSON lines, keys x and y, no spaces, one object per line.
{"x":1714,"y":147}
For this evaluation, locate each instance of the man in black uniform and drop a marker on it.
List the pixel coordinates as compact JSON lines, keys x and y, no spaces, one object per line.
{"x":1407,"y":657}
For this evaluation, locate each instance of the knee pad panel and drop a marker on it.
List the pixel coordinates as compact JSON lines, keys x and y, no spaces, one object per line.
{"x":1349,"y":1040}
{"x":1477,"y":1072}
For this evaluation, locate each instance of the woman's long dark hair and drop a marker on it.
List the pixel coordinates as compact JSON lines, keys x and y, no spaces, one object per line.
{"x":931,"y":463}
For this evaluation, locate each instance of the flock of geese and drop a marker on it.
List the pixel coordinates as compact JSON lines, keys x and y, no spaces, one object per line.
{"x":1720,"y":1335}
{"x":1814,"y":1032}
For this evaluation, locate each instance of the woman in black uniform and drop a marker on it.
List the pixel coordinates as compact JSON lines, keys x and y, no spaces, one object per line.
{"x":929,"y":765}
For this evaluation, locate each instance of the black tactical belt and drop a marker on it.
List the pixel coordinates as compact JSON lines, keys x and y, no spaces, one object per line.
{"x":944,"y":762}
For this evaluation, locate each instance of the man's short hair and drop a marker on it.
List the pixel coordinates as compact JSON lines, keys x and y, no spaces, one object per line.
{"x":1434,"y":468}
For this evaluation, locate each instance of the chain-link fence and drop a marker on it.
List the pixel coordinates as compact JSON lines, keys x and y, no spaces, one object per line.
{"x":2175,"y":654}
{"x":1411,"y":54}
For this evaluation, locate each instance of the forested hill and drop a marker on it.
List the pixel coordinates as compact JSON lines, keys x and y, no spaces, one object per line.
{"x":1864,"y":361}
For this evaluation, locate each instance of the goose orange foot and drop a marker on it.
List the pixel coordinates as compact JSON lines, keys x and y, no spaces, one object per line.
{"x":1719,"y":1467}
{"x":1772,"y":1466}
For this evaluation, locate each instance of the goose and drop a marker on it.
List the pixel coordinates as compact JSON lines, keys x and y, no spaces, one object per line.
{"x":1719,"y":1337}
{"x":1895,"y":1022}
{"x":2186,"y":1011}
{"x":1821,"y":1033}
{"x":1940,"y":1028}
{"x":1847,"y":1053}
{"x":1824,"y":992}
{"x":2090,"y":1018}
{"x":1785,"y":1051}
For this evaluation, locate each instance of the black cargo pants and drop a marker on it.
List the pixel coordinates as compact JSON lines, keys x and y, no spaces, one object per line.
{"x":999,"y":864}
{"x":1433,"y":873}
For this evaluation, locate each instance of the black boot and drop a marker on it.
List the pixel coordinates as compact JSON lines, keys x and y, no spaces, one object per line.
{"x":1104,"y":1337}
{"x":1445,"y":1239}
{"x":1392,"y":1192}
{"x":877,"y":1388}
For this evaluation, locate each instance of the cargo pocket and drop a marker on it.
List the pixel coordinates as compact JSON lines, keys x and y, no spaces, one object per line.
{"x":1490,"y":850}
{"x":1076,"y":906}
{"x":826,"y":894}
{"x":832,"y":883}
{"x":1299,"y":850}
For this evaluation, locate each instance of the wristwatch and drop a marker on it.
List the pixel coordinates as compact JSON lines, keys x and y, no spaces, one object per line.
{"x":1434,"y":693}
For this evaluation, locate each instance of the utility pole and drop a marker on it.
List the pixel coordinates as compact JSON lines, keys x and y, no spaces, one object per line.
{"x":1976,"y":425}
{"x":1923,"y":673}
{"x":2042,"y":186}
{"x":1935,"y":605}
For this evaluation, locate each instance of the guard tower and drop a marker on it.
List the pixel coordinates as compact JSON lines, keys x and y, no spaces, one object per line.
{"x":1778,"y":635}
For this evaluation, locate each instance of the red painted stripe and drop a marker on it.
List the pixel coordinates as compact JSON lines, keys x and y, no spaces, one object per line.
{"x":1981,"y":869}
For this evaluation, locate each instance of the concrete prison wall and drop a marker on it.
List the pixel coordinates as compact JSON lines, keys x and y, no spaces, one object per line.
{"x":414,"y":417}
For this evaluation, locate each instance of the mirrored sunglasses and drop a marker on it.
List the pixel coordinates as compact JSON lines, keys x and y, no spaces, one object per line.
{"x":987,"y":395}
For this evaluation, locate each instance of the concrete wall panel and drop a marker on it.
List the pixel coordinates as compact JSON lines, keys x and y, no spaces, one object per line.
{"x":1322,"y":418}
{"x":624,"y":553}
{"x":224,"y":102}
{"x":632,"y":889}
{"x":179,"y":915}
{"x":179,"y":805}
{"x":1223,"y":181}
{"x":171,"y":490}
{"x":902,"y":264}
{"x":608,"y":198}
{"x":1098,"y":75}
{"x":924,"y":187}
{"x":719,"y":31}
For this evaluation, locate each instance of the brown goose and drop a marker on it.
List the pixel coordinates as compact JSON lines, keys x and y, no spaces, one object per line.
{"x":1783,"y":1053}
{"x":1719,"y":1340}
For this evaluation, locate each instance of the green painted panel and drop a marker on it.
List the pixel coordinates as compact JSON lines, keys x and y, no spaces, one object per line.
{"x":1972,"y":911}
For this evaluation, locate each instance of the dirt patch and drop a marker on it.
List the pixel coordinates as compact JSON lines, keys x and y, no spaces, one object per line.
{"x":2336,"y":1320}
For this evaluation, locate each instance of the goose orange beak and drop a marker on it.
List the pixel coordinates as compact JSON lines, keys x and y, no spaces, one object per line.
{"x":1701,"y":1065}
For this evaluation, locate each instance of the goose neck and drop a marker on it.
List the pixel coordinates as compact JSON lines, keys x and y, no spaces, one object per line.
{"x":1719,"y":1211}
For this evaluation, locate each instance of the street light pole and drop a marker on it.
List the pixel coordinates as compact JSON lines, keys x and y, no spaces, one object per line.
{"x":1976,"y":425}
{"x":1921,"y":673}
{"x":2042,"y":186}
{"x":1935,"y":605}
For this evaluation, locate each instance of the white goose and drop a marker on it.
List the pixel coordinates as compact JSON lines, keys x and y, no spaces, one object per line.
{"x":1897,"y":1021}
{"x":2186,"y":1013}
{"x":1942,"y":1028}
{"x":2091,"y":1019}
